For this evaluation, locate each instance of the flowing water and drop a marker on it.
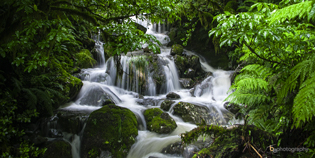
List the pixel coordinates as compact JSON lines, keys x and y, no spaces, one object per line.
{"x":105,"y":82}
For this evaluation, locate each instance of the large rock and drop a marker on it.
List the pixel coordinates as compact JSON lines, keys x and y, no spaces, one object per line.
{"x":159,"y":121}
{"x":112,"y":129}
{"x":201,"y":114}
{"x":177,"y":49}
{"x":185,"y":65}
{"x":71,"y":122}
{"x":190,"y":112}
{"x":172,"y":95}
{"x":58,"y":148}
{"x":166,"y":104}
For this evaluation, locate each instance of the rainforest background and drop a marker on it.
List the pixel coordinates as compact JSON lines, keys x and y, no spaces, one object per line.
{"x":43,"y":42}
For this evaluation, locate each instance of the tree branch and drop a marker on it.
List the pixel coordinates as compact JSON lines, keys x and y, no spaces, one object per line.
{"x":253,"y":51}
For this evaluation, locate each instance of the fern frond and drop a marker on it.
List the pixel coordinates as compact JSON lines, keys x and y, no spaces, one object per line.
{"x":253,"y":84}
{"x":304,"y":102}
{"x":300,"y":10}
{"x":302,"y":70}
{"x":239,"y":97}
{"x":261,"y":71}
{"x":32,"y":99}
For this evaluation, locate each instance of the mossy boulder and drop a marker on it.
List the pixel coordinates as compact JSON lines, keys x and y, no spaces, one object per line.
{"x":177,"y":49}
{"x":111,"y":128}
{"x":188,"y":66}
{"x":58,"y":148}
{"x":159,"y":121}
{"x":84,"y":59}
{"x":166,"y":104}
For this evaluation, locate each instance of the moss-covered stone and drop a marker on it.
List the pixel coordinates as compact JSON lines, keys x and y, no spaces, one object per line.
{"x":159,"y":121}
{"x":59,"y":148}
{"x":111,"y":128}
{"x":84,"y":59}
{"x":166,"y":104}
{"x":177,"y":49}
{"x":230,"y":142}
{"x":185,"y":64}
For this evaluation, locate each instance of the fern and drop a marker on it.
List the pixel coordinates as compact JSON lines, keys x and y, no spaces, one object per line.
{"x":301,"y":10}
{"x":303,"y":106}
{"x":31,"y":97}
{"x":301,"y":70}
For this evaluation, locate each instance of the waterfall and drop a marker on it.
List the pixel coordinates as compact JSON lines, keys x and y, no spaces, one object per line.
{"x":122,"y":79}
{"x":99,"y":48}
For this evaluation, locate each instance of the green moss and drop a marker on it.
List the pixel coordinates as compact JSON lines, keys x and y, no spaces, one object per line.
{"x":111,"y":128}
{"x":177,"y":49}
{"x":158,"y":121}
{"x":84,"y":59}
{"x":228,"y":142}
{"x":58,"y":148}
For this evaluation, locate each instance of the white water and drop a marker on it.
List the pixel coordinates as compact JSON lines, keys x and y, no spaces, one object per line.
{"x":104,"y":82}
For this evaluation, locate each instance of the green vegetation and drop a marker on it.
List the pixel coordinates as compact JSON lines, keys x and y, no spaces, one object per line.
{"x":111,"y":128}
{"x":275,"y":88}
{"x":159,"y":121}
{"x":44,"y":42}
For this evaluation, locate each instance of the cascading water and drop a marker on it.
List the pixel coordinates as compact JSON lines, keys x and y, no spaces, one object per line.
{"x":122,"y":83}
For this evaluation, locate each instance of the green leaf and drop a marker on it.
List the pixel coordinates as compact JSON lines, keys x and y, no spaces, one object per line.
{"x":311,"y":13}
{"x":211,"y":32}
{"x":223,"y":42}
{"x":265,"y":34}
{"x":35,"y":7}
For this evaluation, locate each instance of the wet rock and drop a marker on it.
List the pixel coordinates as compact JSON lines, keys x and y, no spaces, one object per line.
{"x":233,"y":108}
{"x":186,"y":82}
{"x":177,"y":49}
{"x":71,"y":122}
{"x":166,"y":104}
{"x":190,"y":112}
{"x":192,"y":92}
{"x":95,"y":97}
{"x":111,"y":128}
{"x":175,"y":148}
{"x":39,"y":140}
{"x":184,"y":63}
{"x":148,"y":101}
{"x":108,"y":101}
{"x":190,"y":73}
{"x":159,"y":121}
{"x":58,"y":148}
{"x":199,"y":114}
{"x":172,"y":95}
{"x":186,"y":151}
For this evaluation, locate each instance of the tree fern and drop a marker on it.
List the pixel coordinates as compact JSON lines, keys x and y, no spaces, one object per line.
{"x":300,"y":10}
{"x":301,"y":70}
{"x":304,"y":102}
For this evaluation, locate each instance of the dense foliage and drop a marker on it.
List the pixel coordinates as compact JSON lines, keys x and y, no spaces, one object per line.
{"x":276,"y":85}
{"x":42,"y":42}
